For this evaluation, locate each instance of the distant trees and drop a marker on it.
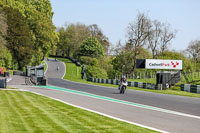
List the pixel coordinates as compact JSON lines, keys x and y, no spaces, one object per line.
{"x":3,"y":29}
{"x":159,"y":37}
{"x":91,"y":47}
{"x":73,"y":35}
{"x":146,"y":33}
{"x":96,"y":32}
{"x":70,"y":38}
{"x":34,"y":39}
{"x":193,"y":50}
{"x":5,"y":55}
{"x":137,"y":33}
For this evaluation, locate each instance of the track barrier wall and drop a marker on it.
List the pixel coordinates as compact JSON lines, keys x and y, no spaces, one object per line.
{"x":131,"y":84}
{"x":190,"y":88}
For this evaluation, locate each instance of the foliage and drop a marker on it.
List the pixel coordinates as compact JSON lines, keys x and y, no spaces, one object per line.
{"x":70,"y":38}
{"x":88,"y":61}
{"x":188,"y":65}
{"x":94,"y":71}
{"x":105,"y":63}
{"x":5,"y":55}
{"x":3,"y":29}
{"x":91,"y":47}
{"x":124,"y":61}
{"x":6,"y":58}
{"x":20,"y":38}
{"x":38,"y":15}
{"x":97,"y":33}
{"x":194,"y":50}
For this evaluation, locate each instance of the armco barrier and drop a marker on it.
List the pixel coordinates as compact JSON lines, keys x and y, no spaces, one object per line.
{"x":190,"y":88}
{"x":116,"y":82}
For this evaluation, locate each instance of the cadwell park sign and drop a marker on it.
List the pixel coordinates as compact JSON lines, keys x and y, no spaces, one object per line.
{"x":163,"y":64}
{"x":159,"y":64}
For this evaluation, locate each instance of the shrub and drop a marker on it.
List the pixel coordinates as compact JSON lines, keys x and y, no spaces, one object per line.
{"x":93,"y":71}
{"x":88,"y":60}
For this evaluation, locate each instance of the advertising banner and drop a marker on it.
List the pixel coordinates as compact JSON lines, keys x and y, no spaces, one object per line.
{"x":163,"y":64}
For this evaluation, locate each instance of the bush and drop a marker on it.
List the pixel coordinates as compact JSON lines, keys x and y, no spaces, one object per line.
{"x":88,"y":61}
{"x":91,"y":47}
{"x":93,"y":71}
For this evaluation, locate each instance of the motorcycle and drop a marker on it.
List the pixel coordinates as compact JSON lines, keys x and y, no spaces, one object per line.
{"x":123,"y":87}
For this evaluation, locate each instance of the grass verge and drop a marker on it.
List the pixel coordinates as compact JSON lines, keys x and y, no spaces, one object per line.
{"x":28,"y":112}
{"x":45,"y":66}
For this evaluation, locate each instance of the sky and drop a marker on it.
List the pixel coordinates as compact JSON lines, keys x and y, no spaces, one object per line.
{"x":114,"y":16}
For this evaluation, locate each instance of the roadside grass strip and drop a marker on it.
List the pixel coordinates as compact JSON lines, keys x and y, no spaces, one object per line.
{"x":119,"y":101}
{"x":22,"y":111}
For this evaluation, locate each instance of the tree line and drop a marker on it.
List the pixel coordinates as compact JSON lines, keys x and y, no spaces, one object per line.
{"x":27,"y":32}
{"x":146,"y":38}
{"x":27,"y":36}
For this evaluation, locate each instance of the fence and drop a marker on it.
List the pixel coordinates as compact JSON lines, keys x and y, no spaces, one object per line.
{"x":131,"y":84}
{"x":190,"y":88}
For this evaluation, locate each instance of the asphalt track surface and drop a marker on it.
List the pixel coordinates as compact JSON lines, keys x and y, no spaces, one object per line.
{"x":180,"y":115}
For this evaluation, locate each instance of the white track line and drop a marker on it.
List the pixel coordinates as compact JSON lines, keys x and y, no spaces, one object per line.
{"x":133,"y":104}
{"x":65,"y":70}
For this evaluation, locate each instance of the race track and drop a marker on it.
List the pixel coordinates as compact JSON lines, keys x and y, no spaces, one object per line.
{"x":166,"y":113}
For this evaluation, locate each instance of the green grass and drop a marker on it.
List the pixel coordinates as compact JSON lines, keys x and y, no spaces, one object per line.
{"x":73,"y":73}
{"x":28,"y":112}
{"x":45,"y":66}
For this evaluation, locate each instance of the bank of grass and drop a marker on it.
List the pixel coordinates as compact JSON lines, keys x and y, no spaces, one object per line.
{"x":73,"y":73}
{"x":45,"y":65}
{"x":28,"y":112}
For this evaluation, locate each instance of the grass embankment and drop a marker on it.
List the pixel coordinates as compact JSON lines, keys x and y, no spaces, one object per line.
{"x":73,"y":73}
{"x":27,"y":112}
{"x":45,"y":66}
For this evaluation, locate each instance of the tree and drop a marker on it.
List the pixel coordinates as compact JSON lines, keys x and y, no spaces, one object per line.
{"x":166,"y":36}
{"x":63,"y":43}
{"x":154,"y":35}
{"x":91,"y":47}
{"x":3,"y":29}
{"x":194,"y":50}
{"x":38,"y":15}
{"x":159,"y":37}
{"x":71,"y":37}
{"x":20,"y":38}
{"x":137,"y":35}
{"x":97,"y":32}
{"x":123,"y":62}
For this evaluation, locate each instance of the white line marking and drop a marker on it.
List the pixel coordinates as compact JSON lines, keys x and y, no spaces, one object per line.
{"x":137,"y":124}
{"x":65,"y":70}
{"x":133,"y":104}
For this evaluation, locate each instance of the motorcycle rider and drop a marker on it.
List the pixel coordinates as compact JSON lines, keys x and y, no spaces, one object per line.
{"x":123,"y":79}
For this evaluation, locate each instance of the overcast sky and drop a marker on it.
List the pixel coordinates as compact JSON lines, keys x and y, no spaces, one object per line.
{"x":113,"y":16}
